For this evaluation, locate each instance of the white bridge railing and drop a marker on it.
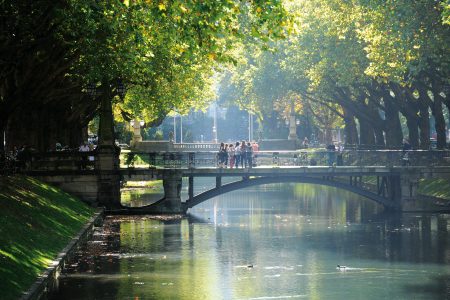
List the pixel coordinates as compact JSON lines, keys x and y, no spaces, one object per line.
{"x":194,"y":147}
{"x":192,"y":159}
{"x":74,"y":160}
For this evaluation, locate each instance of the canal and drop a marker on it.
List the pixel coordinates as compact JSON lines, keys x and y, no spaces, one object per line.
{"x":278,"y":241}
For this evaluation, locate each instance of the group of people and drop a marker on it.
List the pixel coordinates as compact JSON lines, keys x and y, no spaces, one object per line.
{"x":18,"y":158}
{"x":241,"y":154}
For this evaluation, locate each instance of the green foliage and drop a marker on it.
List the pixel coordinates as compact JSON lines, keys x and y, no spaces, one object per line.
{"x":37,"y":221}
{"x":130,"y":159}
{"x":158,"y":135}
{"x":343,"y":55}
{"x":167,"y":51}
{"x":405,"y":38}
{"x":164,"y":51}
{"x":446,"y":12}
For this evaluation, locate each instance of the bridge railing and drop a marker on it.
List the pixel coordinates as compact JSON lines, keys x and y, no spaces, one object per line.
{"x":74,"y":160}
{"x":196,"y":147}
{"x":57,"y":161}
{"x":170,"y":159}
{"x":355,"y":158}
{"x":297,"y":158}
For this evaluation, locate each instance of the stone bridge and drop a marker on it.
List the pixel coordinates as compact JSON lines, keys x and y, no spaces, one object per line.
{"x":393,"y":187}
{"x":378,"y":176}
{"x":388,"y":177}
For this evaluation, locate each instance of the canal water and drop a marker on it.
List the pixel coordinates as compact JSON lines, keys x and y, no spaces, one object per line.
{"x":279,"y":241}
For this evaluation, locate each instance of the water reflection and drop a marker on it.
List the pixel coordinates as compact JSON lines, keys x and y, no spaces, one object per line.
{"x":275,"y":241}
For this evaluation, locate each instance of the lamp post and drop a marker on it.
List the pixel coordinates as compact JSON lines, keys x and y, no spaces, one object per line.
{"x":181,"y":129}
{"x":214,"y":129}
{"x":174,"y":129}
{"x":250,"y":126}
{"x":121,"y":90}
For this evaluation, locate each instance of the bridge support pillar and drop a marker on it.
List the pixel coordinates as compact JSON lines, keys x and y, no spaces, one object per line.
{"x":172,"y":188}
{"x":191,"y":187}
{"x":409,"y":184}
{"x":218,"y":181}
{"x":107,"y":158}
{"x":108,"y":177}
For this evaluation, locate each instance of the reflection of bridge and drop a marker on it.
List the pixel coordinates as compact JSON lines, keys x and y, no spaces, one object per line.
{"x":383,"y":180}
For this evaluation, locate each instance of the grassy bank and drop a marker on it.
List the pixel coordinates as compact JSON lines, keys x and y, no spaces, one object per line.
{"x":435,"y":187}
{"x":36,"y":222}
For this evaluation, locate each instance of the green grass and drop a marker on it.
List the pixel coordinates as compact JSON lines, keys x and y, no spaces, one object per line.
{"x":435,"y":187}
{"x":153,"y":184}
{"x":36,"y":222}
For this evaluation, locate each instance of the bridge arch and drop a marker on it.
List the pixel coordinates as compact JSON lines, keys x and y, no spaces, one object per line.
{"x":202,"y":197}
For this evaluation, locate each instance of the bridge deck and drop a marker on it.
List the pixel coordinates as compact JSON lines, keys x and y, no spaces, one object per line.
{"x":287,"y":171}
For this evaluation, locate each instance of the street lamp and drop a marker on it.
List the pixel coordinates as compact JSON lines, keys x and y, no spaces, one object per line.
{"x":91,"y":90}
{"x":181,"y":129}
{"x":175,"y":127}
{"x":121,"y":89}
{"x":250,"y":126}
{"x":141,"y":123}
{"x":214,"y":129}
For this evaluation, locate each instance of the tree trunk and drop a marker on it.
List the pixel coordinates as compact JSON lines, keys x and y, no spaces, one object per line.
{"x":377,"y":123}
{"x":408,"y":106}
{"x":438,"y":113}
{"x":413,"y":130}
{"x":3,"y":122}
{"x":351,"y":133}
{"x":328,"y":136}
{"x":366,"y":135}
{"x":394,"y":134}
{"x":439,"y":123}
{"x":424,"y":125}
{"x":379,"y":136}
{"x":42,"y":127}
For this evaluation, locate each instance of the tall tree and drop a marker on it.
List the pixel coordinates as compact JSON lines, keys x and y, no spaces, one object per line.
{"x":52,"y":51}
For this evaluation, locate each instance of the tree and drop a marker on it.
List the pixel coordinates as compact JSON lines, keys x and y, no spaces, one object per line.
{"x":374,"y":59}
{"x":53,"y":51}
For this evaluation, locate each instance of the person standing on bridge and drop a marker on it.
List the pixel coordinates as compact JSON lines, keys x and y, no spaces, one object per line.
{"x":84,"y":159}
{"x":255,"y":148}
{"x":237,"y":155}
{"x":220,"y":155}
{"x":243,"y":154}
{"x":231,"y":155}
{"x":249,"y":155}
{"x":225,"y":155}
